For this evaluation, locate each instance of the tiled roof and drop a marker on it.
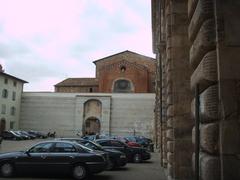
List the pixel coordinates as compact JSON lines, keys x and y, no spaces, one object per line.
{"x":79,"y":82}
{"x":10,"y":76}
{"x":127,"y":51}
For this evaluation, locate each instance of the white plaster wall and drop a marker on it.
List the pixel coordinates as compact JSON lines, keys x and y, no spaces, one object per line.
{"x":122,"y":114}
{"x":132,"y":114}
{"x":48,"y":114}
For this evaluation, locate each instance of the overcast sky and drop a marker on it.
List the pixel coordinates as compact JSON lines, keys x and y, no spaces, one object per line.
{"x":47,"y":41}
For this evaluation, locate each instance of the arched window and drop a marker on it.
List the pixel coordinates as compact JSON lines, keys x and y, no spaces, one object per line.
{"x":123,"y":86}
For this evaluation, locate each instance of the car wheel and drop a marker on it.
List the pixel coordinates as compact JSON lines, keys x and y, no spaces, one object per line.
{"x":7,"y":169}
{"x":79,"y":172}
{"x":110,"y":165}
{"x":137,"y":158}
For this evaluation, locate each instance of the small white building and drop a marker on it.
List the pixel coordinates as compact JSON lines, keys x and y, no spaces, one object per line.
{"x":11,"y":89}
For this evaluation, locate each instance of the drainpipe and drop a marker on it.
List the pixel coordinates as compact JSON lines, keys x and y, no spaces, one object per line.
{"x":160,"y":79}
{"x":197,"y":132}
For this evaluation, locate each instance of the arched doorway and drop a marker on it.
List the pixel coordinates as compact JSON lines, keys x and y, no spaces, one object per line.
{"x":2,"y":125}
{"x":92,"y":126}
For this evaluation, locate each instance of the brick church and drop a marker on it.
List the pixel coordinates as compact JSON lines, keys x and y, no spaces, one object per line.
{"x":118,"y":101}
{"x":124,"y":72}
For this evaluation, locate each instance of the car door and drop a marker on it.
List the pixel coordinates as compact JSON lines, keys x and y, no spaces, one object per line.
{"x":120,"y":146}
{"x":7,"y":135}
{"x":35,"y":160}
{"x":106,"y":144}
{"x":117,"y":145}
{"x":62,"y":156}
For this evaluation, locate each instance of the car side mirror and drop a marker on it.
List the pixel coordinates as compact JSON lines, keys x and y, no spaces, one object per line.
{"x":27,"y":152}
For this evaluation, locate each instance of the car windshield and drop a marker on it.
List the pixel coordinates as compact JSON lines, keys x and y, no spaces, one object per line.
{"x":92,"y":145}
{"x":84,"y":147}
{"x":15,"y":133}
{"x":129,"y":138}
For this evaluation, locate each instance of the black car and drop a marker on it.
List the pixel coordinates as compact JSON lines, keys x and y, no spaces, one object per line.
{"x":37,"y":134}
{"x":10,"y":135}
{"x":95,"y":137}
{"x":31,"y":136}
{"x":54,"y":157}
{"x":116,"y":158}
{"x":134,"y":154}
{"x":24,"y":136}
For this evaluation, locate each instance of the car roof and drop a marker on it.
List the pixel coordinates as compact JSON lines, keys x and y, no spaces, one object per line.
{"x":56,"y":141}
{"x":71,"y":139}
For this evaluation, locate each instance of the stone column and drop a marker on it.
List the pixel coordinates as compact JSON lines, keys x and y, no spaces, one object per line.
{"x":176,"y":94}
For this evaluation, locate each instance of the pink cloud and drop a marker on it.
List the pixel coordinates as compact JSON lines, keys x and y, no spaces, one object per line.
{"x":42,"y":85}
{"x":27,"y":18}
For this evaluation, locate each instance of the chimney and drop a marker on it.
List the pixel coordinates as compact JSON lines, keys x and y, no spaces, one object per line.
{"x":1,"y":69}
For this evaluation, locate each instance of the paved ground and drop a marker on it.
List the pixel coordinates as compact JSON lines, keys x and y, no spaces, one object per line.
{"x":149,"y":170}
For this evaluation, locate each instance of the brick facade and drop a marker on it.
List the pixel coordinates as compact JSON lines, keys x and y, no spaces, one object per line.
{"x":135,"y":69}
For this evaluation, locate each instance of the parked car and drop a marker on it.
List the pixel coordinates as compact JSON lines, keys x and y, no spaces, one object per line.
{"x":143,"y":141}
{"x":54,"y":157}
{"x":10,"y":135}
{"x":95,"y":137}
{"x":134,"y":154}
{"x":116,"y":158}
{"x":31,"y":136}
{"x":24,"y":136}
{"x":128,"y":142}
{"x":38,"y":134}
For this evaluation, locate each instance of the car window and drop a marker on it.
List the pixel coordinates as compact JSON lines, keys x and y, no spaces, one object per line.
{"x":63,"y":147}
{"x":104,"y":143}
{"x":117,"y":144}
{"x":91,"y":146}
{"x":41,"y":148}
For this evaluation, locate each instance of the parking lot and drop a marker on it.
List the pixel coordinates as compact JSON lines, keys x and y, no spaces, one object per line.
{"x":147,"y":170}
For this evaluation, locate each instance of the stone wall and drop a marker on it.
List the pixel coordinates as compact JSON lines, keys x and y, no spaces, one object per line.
{"x":214,"y":44}
{"x":173,"y":119}
{"x":228,"y":47}
{"x":203,"y":60}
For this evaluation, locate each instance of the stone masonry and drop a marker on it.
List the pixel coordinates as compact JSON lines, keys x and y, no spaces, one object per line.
{"x":197,"y":42}
{"x":174,"y":117}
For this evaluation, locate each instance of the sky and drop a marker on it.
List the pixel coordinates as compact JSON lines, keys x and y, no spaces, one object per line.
{"x":47,"y":41}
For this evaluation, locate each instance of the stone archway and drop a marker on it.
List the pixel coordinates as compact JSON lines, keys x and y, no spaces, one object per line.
{"x":92,"y":126}
{"x":2,"y":125}
{"x":92,"y":117}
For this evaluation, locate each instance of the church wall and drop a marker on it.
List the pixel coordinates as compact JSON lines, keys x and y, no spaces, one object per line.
{"x":138,"y":76}
{"x":129,"y":56}
{"x":135,"y":58}
{"x":76,"y":89}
